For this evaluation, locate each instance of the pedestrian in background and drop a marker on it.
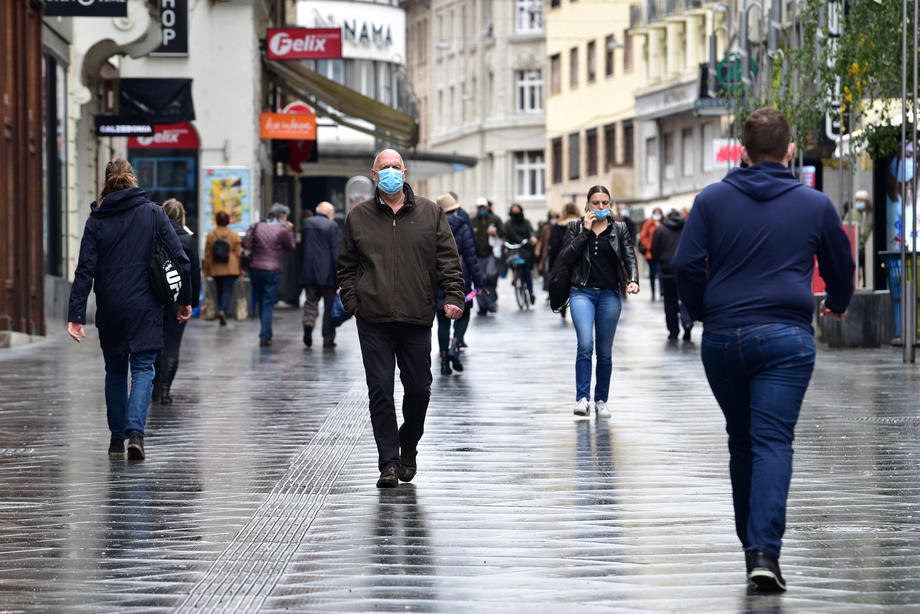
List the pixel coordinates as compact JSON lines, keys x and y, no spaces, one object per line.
{"x":487,"y":226}
{"x":268,"y":241}
{"x":449,"y":348}
{"x":462,"y":212}
{"x":622,"y":215}
{"x":602,"y":263}
{"x":863,"y":215}
{"x":397,"y":252}
{"x":320,"y":238}
{"x":518,"y":229}
{"x":222,"y":250}
{"x":114,"y":262}
{"x":541,"y":250}
{"x":744,"y":268}
{"x":645,"y":238}
{"x":664,"y":244}
{"x":167,"y":362}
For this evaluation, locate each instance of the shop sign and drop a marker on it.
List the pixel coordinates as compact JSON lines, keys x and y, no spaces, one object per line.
{"x":727,"y":151}
{"x":86,"y":8}
{"x":303,"y":43}
{"x":113,"y":126}
{"x":174,"y":26}
{"x":227,"y":188}
{"x":167,"y":136}
{"x":287,"y":126}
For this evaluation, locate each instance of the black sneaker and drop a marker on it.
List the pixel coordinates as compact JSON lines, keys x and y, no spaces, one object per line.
{"x":308,"y":336}
{"x":116,"y":448}
{"x":764,"y":572}
{"x":135,"y":446}
{"x":407,"y":467}
{"x":265,"y":343}
{"x":687,"y":334}
{"x":389,"y":477}
{"x":222,"y":317}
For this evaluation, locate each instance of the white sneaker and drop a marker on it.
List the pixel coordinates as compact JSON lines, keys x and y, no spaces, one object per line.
{"x":600,"y":409}
{"x":582,"y":409}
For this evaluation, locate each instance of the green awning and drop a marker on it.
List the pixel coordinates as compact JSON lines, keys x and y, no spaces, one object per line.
{"x":341,"y":103}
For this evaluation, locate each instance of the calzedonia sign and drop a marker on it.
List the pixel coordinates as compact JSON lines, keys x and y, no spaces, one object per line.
{"x":303,"y":43}
{"x":86,"y":8}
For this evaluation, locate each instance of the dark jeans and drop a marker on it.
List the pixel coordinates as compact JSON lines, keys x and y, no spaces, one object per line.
{"x":460,"y":327}
{"x":759,"y":375}
{"x":674,"y":307}
{"x":654,"y":270}
{"x":265,"y":286}
{"x":311,"y":308}
{"x":172,"y":333}
{"x":224,"y":285}
{"x":383,"y":346}
{"x":128,"y":412}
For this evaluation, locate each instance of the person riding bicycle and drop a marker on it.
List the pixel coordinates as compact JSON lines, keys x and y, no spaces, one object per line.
{"x":518,"y":230}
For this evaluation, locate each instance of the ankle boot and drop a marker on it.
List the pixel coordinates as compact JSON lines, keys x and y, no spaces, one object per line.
{"x":169,"y":372}
{"x":454,"y":356}
{"x":445,"y":364}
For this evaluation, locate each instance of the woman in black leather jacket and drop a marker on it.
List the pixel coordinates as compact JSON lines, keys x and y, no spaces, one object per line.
{"x":603,"y":266}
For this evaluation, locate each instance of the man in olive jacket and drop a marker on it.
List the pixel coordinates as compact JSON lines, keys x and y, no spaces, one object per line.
{"x":397,"y":251}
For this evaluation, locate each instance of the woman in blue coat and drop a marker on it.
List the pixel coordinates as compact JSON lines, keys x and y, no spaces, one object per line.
{"x":466,"y":247}
{"x":114,"y":259}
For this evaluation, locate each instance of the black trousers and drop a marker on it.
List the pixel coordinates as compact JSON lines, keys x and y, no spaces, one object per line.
{"x":674,"y":310}
{"x":383,"y":347}
{"x":172,"y":333}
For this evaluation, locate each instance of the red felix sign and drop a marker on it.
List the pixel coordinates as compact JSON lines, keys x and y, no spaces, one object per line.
{"x":303,"y":43}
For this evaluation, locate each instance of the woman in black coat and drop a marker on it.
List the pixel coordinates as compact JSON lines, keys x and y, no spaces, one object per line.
{"x":114,"y":260}
{"x":168,"y":359}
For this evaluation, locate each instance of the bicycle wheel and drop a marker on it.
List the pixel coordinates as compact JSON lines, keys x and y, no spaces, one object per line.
{"x":519,"y":288}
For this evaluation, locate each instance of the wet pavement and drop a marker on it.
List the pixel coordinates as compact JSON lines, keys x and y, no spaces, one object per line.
{"x":258,"y":490}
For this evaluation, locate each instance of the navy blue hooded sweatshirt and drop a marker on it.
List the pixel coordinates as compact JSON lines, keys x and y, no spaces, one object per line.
{"x":748,"y":250}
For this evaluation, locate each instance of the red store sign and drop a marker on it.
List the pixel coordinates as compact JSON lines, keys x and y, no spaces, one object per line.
{"x":303,"y":43}
{"x":167,"y":136}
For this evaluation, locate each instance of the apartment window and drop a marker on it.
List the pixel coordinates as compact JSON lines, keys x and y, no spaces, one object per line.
{"x":669,"y":155}
{"x":529,"y":174}
{"x":709,"y":156}
{"x":687,"y":161}
{"x":608,"y":56}
{"x":574,"y":156}
{"x":554,"y":3}
{"x":529,"y":16}
{"x":529,"y":91}
{"x":627,"y":51}
{"x":573,"y":67}
{"x":555,"y":73}
{"x":651,"y":160}
{"x":610,"y":146}
{"x":591,"y":152}
{"x":556,"y":146}
{"x":628,"y":136}
{"x":592,"y":62}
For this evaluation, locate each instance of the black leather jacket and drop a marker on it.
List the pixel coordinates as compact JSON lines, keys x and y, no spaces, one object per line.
{"x":575,"y":255}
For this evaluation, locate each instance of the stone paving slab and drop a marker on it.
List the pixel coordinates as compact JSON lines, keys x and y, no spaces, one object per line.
{"x":258,"y":490}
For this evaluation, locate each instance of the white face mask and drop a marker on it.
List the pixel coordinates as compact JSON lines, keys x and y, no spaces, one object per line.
{"x":656,"y":217}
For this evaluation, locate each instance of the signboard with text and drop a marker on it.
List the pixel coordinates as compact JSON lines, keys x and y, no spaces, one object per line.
{"x":287,"y":126}
{"x":86,"y":8}
{"x":167,"y":136}
{"x":303,"y":43}
{"x":174,"y":28}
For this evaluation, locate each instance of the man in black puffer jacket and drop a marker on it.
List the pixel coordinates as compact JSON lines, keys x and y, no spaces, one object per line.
{"x":664,"y":244}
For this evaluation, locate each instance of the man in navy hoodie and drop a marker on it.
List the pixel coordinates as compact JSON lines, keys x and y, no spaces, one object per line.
{"x":744,"y":268}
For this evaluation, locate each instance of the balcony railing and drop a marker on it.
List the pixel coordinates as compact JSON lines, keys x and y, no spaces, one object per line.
{"x":656,"y":10}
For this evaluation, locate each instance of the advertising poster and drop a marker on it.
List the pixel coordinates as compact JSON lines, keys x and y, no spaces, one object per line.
{"x":227,"y":188}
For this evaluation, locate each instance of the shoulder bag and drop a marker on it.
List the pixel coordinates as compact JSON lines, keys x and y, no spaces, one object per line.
{"x":165,"y":281}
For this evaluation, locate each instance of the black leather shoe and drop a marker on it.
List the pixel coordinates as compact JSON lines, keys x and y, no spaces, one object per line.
{"x":308,"y":336}
{"x":388,"y":477}
{"x":407,"y":467}
{"x":764,"y":572}
{"x":135,"y":446}
{"x":116,"y":448}
{"x":686,"y":334}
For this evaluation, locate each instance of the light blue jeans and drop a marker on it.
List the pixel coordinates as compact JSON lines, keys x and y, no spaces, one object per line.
{"x":265,"y":284}
{"x":128,"y":412}
{"x":594,"y":311}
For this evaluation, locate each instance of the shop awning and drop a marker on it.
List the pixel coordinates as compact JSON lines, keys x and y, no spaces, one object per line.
{"x":341,"y":103}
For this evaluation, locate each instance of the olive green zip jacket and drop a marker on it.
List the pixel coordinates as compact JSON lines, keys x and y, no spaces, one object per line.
{"x":391,"y":265}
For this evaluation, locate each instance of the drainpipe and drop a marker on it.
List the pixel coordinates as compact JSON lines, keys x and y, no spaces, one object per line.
{"x":660,"y":140}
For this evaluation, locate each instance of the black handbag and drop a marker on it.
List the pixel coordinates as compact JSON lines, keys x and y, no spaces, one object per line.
{"x":165,"y":280}
{"x":560,"y":283}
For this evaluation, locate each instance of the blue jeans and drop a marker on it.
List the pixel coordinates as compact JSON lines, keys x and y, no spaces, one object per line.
{"x":265,"y":285}
{"x":594,"y":310}
{"x":128,"y":412}
{"x":759,"y":375}
{"x":225,"y":284}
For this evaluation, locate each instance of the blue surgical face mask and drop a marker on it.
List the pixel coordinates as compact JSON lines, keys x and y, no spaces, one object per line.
{"x":860,"y":206}
{"x":390,"y":180}
{"x":601,"y":214}
{"x":482,"y":212}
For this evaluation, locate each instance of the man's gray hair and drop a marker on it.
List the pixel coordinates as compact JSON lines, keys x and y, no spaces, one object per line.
{"x":278,"y":211}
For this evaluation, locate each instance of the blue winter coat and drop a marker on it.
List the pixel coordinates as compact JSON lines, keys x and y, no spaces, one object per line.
{"x":320,"y":238}
{"x":114,"y":259}
{"x":466,"y":247}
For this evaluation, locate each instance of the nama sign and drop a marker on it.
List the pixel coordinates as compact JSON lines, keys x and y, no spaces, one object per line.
{"x":287,"y":126}
{"x":303,"y":43}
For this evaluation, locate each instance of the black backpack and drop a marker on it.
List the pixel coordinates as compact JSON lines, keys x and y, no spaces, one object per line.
{"x":220,"y":251}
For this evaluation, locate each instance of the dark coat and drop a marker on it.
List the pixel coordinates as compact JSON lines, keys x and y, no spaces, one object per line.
{"x":665,"y":242}
{"x":320,"y":238}
{"x":466,"y":247}
{"x":114,"y":259}
{"x":481,"y":225}
{"x":463,"y":215}
{"x":190,"y":247}
{"x":575,"y":255}
{"x":517,"y":231}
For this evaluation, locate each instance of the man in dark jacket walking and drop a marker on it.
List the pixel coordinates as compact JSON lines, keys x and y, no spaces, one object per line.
{"x":397,"y":252}
{"x":320,"y":237}
{"x":664,"y":244}
{"x":488,"y":229}
{"x":744,"y":268}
